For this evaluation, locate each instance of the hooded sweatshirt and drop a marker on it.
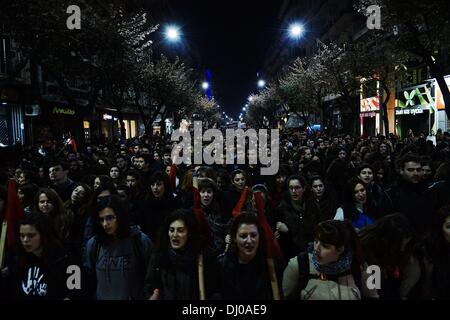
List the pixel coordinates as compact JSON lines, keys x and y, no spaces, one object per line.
{"x":119,"y":267}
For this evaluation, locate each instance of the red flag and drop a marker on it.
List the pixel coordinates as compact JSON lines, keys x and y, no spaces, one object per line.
{"x":270,"y":242}
{"x":238,"y":208}
{"x":13,"y":213}
{"x":200,"y":216}
{"x":173,"y":177}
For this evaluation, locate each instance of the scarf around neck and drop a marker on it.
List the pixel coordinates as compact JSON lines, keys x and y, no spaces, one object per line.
{"x":335,"y":268}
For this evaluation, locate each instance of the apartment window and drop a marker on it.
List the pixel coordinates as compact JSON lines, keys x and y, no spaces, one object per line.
{"x":3,"y":55}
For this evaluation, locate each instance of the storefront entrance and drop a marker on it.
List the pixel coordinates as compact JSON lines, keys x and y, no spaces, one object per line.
{"x":419,"y":123}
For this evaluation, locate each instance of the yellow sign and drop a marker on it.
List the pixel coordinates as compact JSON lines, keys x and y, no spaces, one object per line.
{"x":66,"y":111}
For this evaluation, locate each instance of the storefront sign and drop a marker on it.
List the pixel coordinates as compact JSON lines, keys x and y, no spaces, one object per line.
{"x":415,"y":100}
{"x":419,"y":96}
{"x":108,"y":117}
{"x":400,"y":112}
{"x":65,"y":111}
{"x":368,"y":114}
{"x":370,"y":104}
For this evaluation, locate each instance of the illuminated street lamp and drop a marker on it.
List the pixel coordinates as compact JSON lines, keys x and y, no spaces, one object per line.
{"x":296,"y":30}
{"x":261,"y":83}
{"x":172,"y":33}
{"x":205,"y":85}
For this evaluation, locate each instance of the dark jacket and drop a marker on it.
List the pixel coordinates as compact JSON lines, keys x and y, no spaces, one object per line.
{"x":250,"y":281}
{"x":413,"y":200}
{"x":150,"y":214}
{"x":38,"y":278}
{"x":300,"y":224}
{"x":176,"y":276}
{"x":324,"y":209}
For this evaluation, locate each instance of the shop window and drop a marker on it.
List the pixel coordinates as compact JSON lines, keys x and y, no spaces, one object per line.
{"x":87,"y":130}
{"x":133,"y":128}
{"x":127,"y":129}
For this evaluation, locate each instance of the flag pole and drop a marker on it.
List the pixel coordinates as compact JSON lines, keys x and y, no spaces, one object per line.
{"x":273,"y":279}
{"x":3,"y":242}
{"x":201,"y":278}
{"x":270,"y":262}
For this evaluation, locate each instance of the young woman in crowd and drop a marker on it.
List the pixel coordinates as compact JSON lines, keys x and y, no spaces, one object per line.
{"x":243,"y":269}
{"x":321,"y":201}
{"x":330,"y":269}
{"x":77,"y":207}
{"x":48,"y":202}
{"x":38,"y":271}
{"x":159,"y":203}
{"x":357,"y":206}
{"x":365,"y":172}
{"x":387,"y":244}
{"x":218,"y":221}
{"x":26,"y":194}
{"x":180,"y":268}
{"x":293,"y":224}
{"x":117,"y":257}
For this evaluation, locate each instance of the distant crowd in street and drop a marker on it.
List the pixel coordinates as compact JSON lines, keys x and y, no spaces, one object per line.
{"x":140,"y":227}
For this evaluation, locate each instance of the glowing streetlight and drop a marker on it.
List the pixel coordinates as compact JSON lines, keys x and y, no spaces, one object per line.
{"x":205,"y":85}
{"x":172,"y":33}
{"x":261,"y":83}
{"x":243,"y":109}
{"x":296,"y":30}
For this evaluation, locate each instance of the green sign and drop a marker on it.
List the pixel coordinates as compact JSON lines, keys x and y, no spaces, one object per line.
{"x":416,"y":97}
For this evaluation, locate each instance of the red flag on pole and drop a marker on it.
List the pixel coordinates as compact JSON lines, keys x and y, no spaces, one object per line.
{"x":173,"y":177}
{"x":270,"y":242}
{"x":200,"y":216}
{"x":238,"y":208}
{"x":13,"y":213}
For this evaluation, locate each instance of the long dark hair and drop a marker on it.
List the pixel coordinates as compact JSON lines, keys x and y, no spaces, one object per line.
{"x":160,"y":176}
{"x":194,"y":241}
{"x":349,"y":203}
{"x":55,"y":199}
{"x":49,"y":239}
{"x":340,"y":233}
{"x":382,"y":240}
{"x":122,"y":217}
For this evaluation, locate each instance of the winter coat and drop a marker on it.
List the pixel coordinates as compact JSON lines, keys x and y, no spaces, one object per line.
{"x":175,"y":274}
{"x":300,"y":224}
{"x":251,"y":281}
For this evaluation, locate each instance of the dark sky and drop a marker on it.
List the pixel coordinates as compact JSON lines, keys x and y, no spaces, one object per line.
{"x":231,"y":38}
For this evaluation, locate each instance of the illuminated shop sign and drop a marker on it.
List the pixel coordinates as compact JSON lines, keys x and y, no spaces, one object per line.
{"x":370,"y":104}
{"x":108,"y":117}
{"x":65,"y":111}
{"x":413,"y":112}
{"x":420,"y":96}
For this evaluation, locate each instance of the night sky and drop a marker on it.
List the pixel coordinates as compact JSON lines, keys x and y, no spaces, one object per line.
{"x":231,"y":38}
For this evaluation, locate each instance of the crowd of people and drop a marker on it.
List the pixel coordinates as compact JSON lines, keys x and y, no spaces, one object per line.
{"x":141,"y":227}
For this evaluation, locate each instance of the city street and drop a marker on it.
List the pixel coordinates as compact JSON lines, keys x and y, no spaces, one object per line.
{"x":226,"y":151}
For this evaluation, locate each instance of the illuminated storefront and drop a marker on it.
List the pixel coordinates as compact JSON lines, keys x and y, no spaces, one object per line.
{"x":415,"y":109}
